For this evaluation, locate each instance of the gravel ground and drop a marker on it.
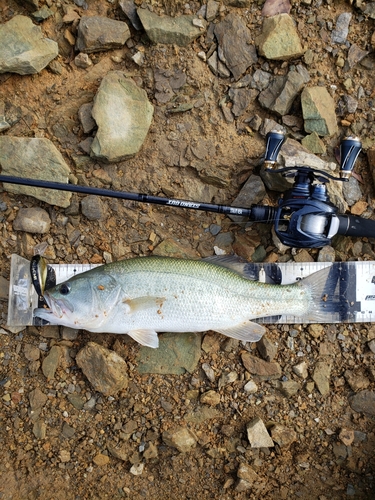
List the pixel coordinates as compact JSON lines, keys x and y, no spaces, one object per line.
{"x":311,"y":388}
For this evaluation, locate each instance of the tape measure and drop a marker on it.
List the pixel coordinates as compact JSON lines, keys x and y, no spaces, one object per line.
{"x":353,"y":284}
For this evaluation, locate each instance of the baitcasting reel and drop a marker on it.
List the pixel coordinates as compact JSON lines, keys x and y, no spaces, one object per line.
{"x":305,"y":216}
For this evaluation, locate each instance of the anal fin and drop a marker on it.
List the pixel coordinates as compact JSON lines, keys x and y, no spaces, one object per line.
{"x":148,"y":338}
{"x":247,"y":331}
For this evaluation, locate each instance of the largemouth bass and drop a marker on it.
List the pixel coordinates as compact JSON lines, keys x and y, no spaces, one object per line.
{"x":146,"y":295}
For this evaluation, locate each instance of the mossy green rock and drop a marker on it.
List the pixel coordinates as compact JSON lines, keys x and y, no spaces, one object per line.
{"x":318,"y":110}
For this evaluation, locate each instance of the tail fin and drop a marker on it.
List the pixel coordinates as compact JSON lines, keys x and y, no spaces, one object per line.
{"x":321,"y":286}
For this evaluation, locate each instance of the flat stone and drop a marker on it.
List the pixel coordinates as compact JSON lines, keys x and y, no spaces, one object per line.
{"x":314,"y":144}
{"x":246,"y":473}
{"x":321,"y":376}
{"x":318,"y":109}
{"x":106,"y":370}
{"x":123,"y":114}
{"x":252,"y":192}
{"x":241,"y":98}
{"x":100,"y":459}
{"x":257,"y":434}
{"x":85,"y":117}
{"x":93,"y":208}
{"x":279,"y":39}
{"x":211,"y":398}
{"x":357,"y":380}
{"x":129,"y":8}
{"x":301,"y":370}
{"x":171,"y":248}
{"x":51,"y":362}
{"x":39,"y":429}
{"x":262,"y":369}
{"x":267,"y":349}
{"x":340,"y":33}
{"x":24,"y":50}
{"x":96,"y":33}
{"x":177,"y":353}
{"x":36,"y":159}
{"x":32,"y":220}
{"x":178,"y":30}
{"x":281,"y":93}
{"x":364,"y":402}
{"x":181,"y":439}
{"x":283,"y":436}
{"x":236,"y":43}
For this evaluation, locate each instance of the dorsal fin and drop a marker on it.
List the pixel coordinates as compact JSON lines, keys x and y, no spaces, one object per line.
{"x":234,"y":263}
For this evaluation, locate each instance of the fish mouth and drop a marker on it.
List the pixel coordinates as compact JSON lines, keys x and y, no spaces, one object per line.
{"x":58,"y":307}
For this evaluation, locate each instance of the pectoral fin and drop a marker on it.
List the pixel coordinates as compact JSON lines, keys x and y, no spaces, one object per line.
{"x":148,"y":338}
{"x":248,"y":331}
{"x":142,"y":303}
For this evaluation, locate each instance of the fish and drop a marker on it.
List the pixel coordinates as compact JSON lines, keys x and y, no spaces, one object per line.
{"x":144,"y":296}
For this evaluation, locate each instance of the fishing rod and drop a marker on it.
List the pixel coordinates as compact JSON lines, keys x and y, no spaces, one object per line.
{"x":304,"y":218}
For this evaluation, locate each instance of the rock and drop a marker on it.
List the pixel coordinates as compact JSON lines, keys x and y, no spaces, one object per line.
{"x":76,"y":400}
{"x":346,"y":436}
{"x":37,"y":400}
{"x":177,"y":353}
{"x":181,"y":439}
{"x":301,"y":370}
{"x":85,"y":117}
{"x":137,"y":469}
{"x":212,"y":10}
{"x":314,"y":144}
{"x":32,"y":353}
{"x":51,"y":362}
{"x":123,"y":114}
{"x":242,"y":485}
{"x":210,"y":398}
{"x":340,"y":33}
{"x":262,"y":369}
{"x":257,"y":434}
{"x":39,"y":429}
{"x":82,"y":60}
{"x":283,"y":436}
{"x":24,"y":50}
{"x":241,"y":99}
{"x":321,"y":376}
{"x":261,"y":79}
{"x":96,"y":33}
{"x":121,"y":452}
{"x":171,"y":30}
{"x":357,"y":380}
{"x":355,"y":55}
{"x":364,"y":402}
{"x":235,"y":42}
{"x":36,"y":159}
{"x":172,"y":248}
{"x":32,"y":220}
{"x":327,"y":254}
{"x":316,"y":330}
{"x":129,"y":8}
{"x":318,"y":109}
{"x":272,"y":8}
{"x":289,"y":388}
{"x":227,"y":378}
{"x":279,"y":39}
{"x":100,"y":459}
{"x":210,"y":374}
{"x":151,"y":451}
{"x":281,"y":93}
{"x":201,"y":414}
{"x":253,"y":192}
{"x":351,"y":191}
{"x":42,"y":14}
{"x":246,"y":473}
{"x":106,"y":370}
{"x":217,"y":67}
{"x":267,"y":349}
{"x":250,"y":387}
{"x":93,"y":208}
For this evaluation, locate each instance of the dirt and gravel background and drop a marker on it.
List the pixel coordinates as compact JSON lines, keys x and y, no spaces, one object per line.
{"x":90,"y":446}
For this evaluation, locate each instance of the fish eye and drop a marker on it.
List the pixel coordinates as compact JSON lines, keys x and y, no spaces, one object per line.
{"x":65,"y":289}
